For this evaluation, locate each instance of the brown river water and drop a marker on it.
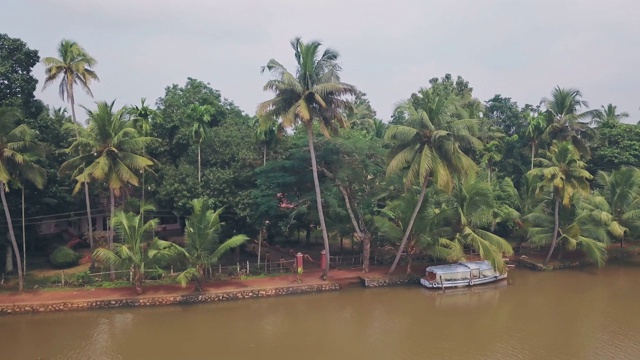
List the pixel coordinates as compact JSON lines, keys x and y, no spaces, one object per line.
{"x":571,"y":314}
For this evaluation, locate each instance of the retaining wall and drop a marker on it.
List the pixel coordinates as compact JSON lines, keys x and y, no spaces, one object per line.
{"x":165,"y":300}
{"x":371,"y":283}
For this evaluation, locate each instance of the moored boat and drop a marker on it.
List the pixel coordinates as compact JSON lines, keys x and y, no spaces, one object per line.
{"x":468,"y":273}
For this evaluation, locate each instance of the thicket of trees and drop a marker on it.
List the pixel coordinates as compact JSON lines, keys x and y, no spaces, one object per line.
{"x":447,"y":173}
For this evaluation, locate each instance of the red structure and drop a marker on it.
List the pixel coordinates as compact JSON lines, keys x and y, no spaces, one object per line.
{"x":299,"y":263}
{"x":323,"y":260}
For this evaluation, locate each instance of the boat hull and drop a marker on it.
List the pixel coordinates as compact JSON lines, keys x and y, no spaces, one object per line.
{"x":461,"y":283}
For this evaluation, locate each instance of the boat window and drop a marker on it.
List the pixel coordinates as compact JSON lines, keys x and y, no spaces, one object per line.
{"x":487,"y":273}
{"x":431,"y":276}
{"x":456,"y":276}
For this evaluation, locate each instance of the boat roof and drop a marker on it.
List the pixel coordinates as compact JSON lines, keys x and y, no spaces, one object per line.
{"x":460,"y":267}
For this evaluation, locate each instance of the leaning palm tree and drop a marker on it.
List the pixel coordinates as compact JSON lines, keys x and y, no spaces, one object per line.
{"x":16,"y":143}
{"x":314,"y":95}
{"x":73,"y":66}
{"x":562,"y":173}
{"x":109,"y":150}
{"x":617,"y":202}
{"x":608,"y":116}
{"x":203,"y":246}
{"x":200,"y":116}
{"x":134,"y":253}
{"x":430,"y":147}
{"x":566,"y":122}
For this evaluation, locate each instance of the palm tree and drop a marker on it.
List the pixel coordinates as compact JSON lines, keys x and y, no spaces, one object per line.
{"x":17,"y":142}
{"x":109,"y":150}
{"x":267,"y":132}
{"x":565,"y":122}
{"x":563,"y":174}
{"x":203,"y":246}
{"x":140,"y":117}
{"x":469,"y":210}
{"x":74,"y":66}
{"x":608,"y":116}
{"x":617,"y":202}
{"x":491,"y":153}
{"x":200,"y":116}
{"x":135,"y":253}
{"x":430,"y":146}
{"x":314,"y":95}
{"x":579,"y":227}
{"x":536,"y":125}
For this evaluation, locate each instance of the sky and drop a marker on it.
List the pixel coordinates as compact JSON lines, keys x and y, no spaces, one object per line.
{"x":521,"y":49}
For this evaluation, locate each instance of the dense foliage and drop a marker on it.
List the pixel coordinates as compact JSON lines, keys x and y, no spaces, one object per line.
{"x":448,"y":175}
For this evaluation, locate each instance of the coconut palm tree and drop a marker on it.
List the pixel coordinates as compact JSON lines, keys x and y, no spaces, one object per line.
{"x":608,"y":116}
{"x":267,"y":132}
{"x":430,"y":147}
{"x":200,"y":116}
{"x":17,"y":144}
{"x":562,"y":173}
{"x":617,"y":202}
{"x":109,"y":150}
{"x":565,"y":121}
{"x":203,"y":247}
{"x":140,"y":117}
{"x":134,"y":252}
{"x":314,"y":95}
{"x":579,"y":227}
{"x":469,"y":210}
{"x":536,"y":126}
{"x":73,"y":66}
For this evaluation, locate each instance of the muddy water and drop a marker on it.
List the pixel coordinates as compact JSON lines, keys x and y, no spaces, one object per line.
{"x":591,"y":314}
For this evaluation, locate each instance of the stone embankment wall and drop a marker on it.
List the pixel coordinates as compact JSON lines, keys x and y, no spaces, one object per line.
{"x":539,"y":267}
{"x":371,"y":283}
{"x":165,"y":300}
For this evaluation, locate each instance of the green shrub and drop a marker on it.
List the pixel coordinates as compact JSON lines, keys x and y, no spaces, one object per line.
{"x":81,"y":279}
{"x":63,"y":257}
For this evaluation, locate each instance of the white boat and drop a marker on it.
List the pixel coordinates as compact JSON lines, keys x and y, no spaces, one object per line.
{"x":460,"y":274}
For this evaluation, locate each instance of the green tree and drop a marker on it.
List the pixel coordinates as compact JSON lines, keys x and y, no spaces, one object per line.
{"x":430,"y":145}
{"x":203,"y":247}
{"x":563,"y":174}
{"x":608,"y":115}
{"x":536,"y":126}
{"x":109,"y":150}
{"x":17,"y":142}
{"x":200,"y":117}
{"x":141,"y":117}
{"x":73,"y":67}
{"x":134,"y":252}
{"x":617,"y":145}
{"x":617,"y":202}
{"x":17,"y":84}
{"x":565,"y":121}
{"x":314,"y":95}
{"x":267,"y":132}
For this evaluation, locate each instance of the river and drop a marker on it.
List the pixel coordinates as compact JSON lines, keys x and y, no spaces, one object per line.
{"x":571,"y":314}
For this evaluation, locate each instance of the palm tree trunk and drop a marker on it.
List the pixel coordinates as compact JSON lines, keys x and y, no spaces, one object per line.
{"x":264,"y":155}
{"x":407,"y":232}
{"x":90,"y":222}
{"x":259,"y":246}
{"x":316,"y":183}
{"x":24,"y":238}
{"x":554,"y":240}
{"x":199,"y":168}
{"x":72,"y":101}
{"x":112,"y":274}
{"x":363,"y":234}
{"x":12,"y":236}
{"x":533,"y":151}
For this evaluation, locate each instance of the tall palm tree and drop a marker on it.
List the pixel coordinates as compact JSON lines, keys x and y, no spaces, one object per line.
{"x":109,"y":150}
{"x":16,"y":143}
{"x":430,"y":146}
{"x":492,"y":152}
{"x":203,"y":247}
{"x":608,"y":115}
{"x":200,"y":116}
{"x":314,"y":95}
{"x":135,"y":253}
{"x":73,"y":66}
{"x":267,"y":132}
{"x":563,"y":174}
{"x":617,"y":201}
{"x":536,"y":126}
{"x":140,"y":117}
{"x":565,"y":121}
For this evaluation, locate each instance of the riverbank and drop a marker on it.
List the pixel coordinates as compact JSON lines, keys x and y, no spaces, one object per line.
{"x":53,"y":300}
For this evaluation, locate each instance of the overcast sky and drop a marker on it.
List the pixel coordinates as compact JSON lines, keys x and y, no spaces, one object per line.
{"x":518,"y":48}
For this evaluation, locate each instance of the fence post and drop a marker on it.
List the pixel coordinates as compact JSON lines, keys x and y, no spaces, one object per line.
{"x":238,"y":267}
{"x":219,"y":269}
{"x":247,"y":267}
{"x":130,"y":276}
{"x":63,"y":278}
{"x":299,"y":263}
